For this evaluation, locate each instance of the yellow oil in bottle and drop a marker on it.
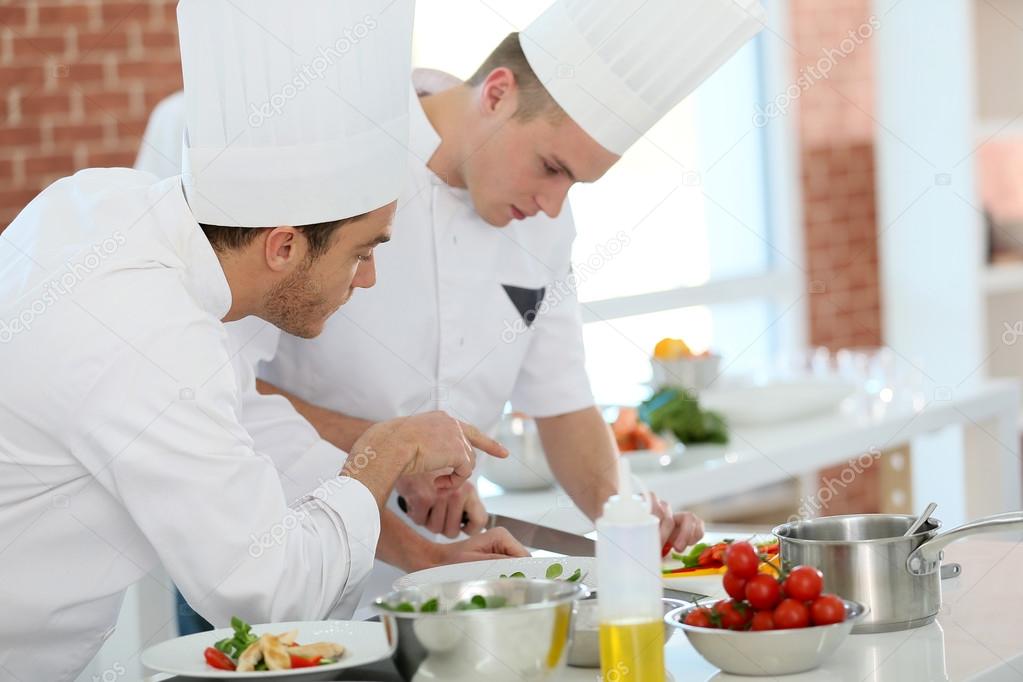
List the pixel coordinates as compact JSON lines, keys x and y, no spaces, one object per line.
{"x":632,"y":651}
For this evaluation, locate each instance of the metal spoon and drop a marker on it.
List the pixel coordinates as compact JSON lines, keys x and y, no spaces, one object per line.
{"x":921,"y":520}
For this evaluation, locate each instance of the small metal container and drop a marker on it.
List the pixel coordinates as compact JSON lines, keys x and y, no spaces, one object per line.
{"x":772,"y":652}
{"x":525,"y":639}
{"x":865,"y":557}
{"x":585,"y":649}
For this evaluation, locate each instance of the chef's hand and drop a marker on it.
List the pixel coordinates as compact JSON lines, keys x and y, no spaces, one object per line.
{"x":432,"y":442}
{"x":680,"y":529}
{"x":496,"y":543}
{"x":442,"y":511}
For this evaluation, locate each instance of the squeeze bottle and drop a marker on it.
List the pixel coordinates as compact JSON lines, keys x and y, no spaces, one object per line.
{"x":629,"y":592}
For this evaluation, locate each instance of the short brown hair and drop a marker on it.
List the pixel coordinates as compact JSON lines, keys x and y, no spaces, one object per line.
{"x":534,"y":99}
{"x":224,"y":239}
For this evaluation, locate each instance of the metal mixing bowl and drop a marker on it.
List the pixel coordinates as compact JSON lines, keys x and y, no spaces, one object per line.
{"x":526,"y":639}
{"x":771,"y":652}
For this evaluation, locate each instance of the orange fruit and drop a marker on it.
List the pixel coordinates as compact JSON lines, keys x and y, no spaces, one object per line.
{"x":671,"y":349}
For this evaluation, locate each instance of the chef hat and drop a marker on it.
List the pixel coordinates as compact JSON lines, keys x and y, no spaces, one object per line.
{"x":617,"y":67}
{"x":296,"y":111}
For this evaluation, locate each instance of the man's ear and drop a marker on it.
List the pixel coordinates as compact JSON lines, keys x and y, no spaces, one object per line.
{"x":284,"y":248}
{"x":499,"y":92}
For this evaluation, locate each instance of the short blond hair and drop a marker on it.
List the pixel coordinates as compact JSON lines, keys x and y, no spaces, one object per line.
{"x":534,"y":99}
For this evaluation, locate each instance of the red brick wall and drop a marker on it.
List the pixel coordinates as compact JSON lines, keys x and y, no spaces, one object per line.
{"x":1000,"y":181}
{"x":836,"y":142}
{"x":79,"y":78}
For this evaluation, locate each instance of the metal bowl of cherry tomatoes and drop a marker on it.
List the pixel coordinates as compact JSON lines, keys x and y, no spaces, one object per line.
{"x":774,"y":623}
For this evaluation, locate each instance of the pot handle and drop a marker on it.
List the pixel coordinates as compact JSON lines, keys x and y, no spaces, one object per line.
{"x":926,"y":558}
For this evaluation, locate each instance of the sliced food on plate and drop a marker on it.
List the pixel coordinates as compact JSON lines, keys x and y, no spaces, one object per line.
{"x":248,"y":652}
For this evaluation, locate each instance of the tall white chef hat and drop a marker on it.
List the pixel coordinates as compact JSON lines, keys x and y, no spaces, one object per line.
{"x":296,"y":111}
{"x":617,"y":66}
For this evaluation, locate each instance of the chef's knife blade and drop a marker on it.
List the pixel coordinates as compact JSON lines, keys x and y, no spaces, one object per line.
{"x":554,"y":540}
{"x":543,"y":537}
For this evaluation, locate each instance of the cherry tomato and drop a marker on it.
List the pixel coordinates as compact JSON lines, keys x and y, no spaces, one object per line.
{"x":763,"y":592}
{"x":301,"y":662}
{"x":742,"y":560}
{"x":215,"y":658}
{"x":735,"y":615}
{"x":804,"y":583}
{"x":734,"y":586}
{"x":827,"y":609}
{"x":762,"y":620}
{"x":699,"y":618}
{"x":791,"y":613}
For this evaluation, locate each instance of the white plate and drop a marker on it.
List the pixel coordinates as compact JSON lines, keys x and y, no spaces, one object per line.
{"x":364,"y":643}
{"x":782,"y":401}
{"x":533,"y":567}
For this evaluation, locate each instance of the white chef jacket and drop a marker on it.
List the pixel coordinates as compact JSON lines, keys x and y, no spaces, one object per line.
{"x":463,"y":317}
{"x":276,"y":429}
{"x":120,"y":445}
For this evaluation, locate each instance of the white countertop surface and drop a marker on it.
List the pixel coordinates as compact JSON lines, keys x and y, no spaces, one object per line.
{"x":978,"y":636}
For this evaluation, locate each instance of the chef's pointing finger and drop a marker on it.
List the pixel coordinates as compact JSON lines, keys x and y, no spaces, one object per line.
{"x":483,"y":442}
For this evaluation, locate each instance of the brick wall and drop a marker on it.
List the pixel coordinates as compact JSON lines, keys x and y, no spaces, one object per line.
{"x":78,"y":79}
{"x":1000,"y":182}
{"x":837,"y":155}
{"x":836,"y":143}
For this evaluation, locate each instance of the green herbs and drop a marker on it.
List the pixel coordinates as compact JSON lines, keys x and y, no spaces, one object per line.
{"x":576,"y":576}
{"x":243,"y":638}
{"x":553,"y":572}
{"x":478,"y":601}
{"x":677,"y":410}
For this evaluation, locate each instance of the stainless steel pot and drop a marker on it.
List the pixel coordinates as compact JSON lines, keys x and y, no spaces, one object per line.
{"x":866,"y":558}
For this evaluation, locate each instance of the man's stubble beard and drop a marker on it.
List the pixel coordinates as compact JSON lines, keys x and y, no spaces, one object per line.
{"x":296,"y":304}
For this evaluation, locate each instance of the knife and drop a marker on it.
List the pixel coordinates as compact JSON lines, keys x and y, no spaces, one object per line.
{"x":543,"y":537}
{"x":403,"y":505}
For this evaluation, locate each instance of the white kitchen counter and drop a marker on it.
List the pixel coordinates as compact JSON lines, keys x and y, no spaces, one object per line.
{"x":977,"y":636}
{"x":986,"y":479}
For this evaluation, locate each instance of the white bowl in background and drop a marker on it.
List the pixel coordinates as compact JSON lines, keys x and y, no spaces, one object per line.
{"x":526,"y":466}
{"x":777,"y":402}
{"x":696,"y":373}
